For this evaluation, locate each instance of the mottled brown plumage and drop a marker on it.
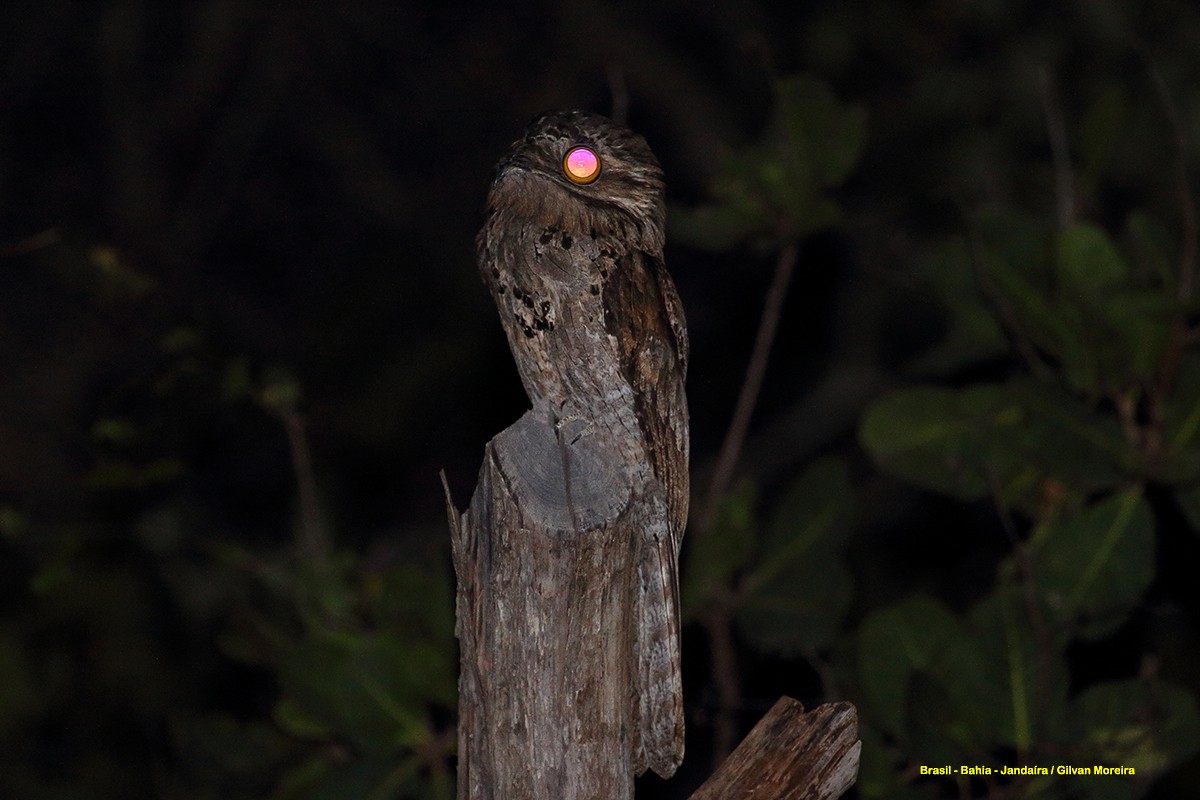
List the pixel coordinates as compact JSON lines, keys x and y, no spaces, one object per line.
{"x":598,"y":335}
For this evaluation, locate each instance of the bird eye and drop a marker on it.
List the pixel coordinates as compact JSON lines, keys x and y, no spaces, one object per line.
{"x":581,"y":165}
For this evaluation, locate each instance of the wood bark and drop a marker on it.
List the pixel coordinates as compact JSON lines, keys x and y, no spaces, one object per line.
{"x":791,"y":755}
{"x":545,"y":620}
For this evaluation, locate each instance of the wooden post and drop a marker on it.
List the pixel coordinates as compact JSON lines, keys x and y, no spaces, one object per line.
{"x":791,"y":755}
{"x":545,"y":687}
{"x":545,"y":603}
{"x":546,"y":593}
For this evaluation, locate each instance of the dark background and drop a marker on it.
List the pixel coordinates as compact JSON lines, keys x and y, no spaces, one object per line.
{"x":241,"y":331}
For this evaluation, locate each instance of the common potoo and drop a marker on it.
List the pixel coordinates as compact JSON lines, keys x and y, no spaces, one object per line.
{"x":572,"y":251}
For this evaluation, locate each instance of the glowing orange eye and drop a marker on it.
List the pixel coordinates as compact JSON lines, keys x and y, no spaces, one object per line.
{"x":581,"y":164}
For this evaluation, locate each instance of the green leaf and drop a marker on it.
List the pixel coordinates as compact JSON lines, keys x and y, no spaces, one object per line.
{"x":237,"y":380}
{"x":369,"y":778}
{"x":1130,"y":332}
{"x":13,"y":522}
{"x":1010,"y":439}
{"x":122,"y":474}
{"x":1015,"y":238}
{"x":1082,"y":309}
{"x":1189,"y":504}
{"x":1002,"y":659}
{"x":880,"y":770}
{"x":947,"y":689}
{"x":217,"y":743}
{"x":368,"y":687}
{"x":809,"y":116}
{"x":181,"y":340}
{"x":1181,"y":420}
{"x":115,"y":431}
{"x":942,"y":439}
{"x":1094,"y":567}
{"x":795,"y":594}
{"x":1069,"y":440}
{"x":1041,"y":319}
{"x":1152,"y":247}
{"x":294,"y":719}
{"x":774,"y":189}
{"x":713,"y":559}
{"x":1087,"y":260}
{"x":893,"y":644}
{"x":415,"y":601}
{"x":972,"y":331}
{"x":1147,"y":726}
{"x":711,"y":227}
{"x":280,"y":391}
{"x":1084,"y":314}
{"x":302,"y":777}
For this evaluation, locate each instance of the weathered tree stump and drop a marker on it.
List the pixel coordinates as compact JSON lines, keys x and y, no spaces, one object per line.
{"x":790,"y":755}
{"x":544,"y":621}
{"x":547,"y":659}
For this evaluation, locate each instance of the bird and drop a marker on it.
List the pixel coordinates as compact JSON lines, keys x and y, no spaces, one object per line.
{"x":572,"y":252}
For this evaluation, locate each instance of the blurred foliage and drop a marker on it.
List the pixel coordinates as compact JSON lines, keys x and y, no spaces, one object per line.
{"x":777,"y":188}
{"x":1079,"y":439}
{"x":1066,"y":448}
{"x":136,"y":624}
{"x":783,"y":581}
{"x":241,"y":331}
{"x":1086,"y":340}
